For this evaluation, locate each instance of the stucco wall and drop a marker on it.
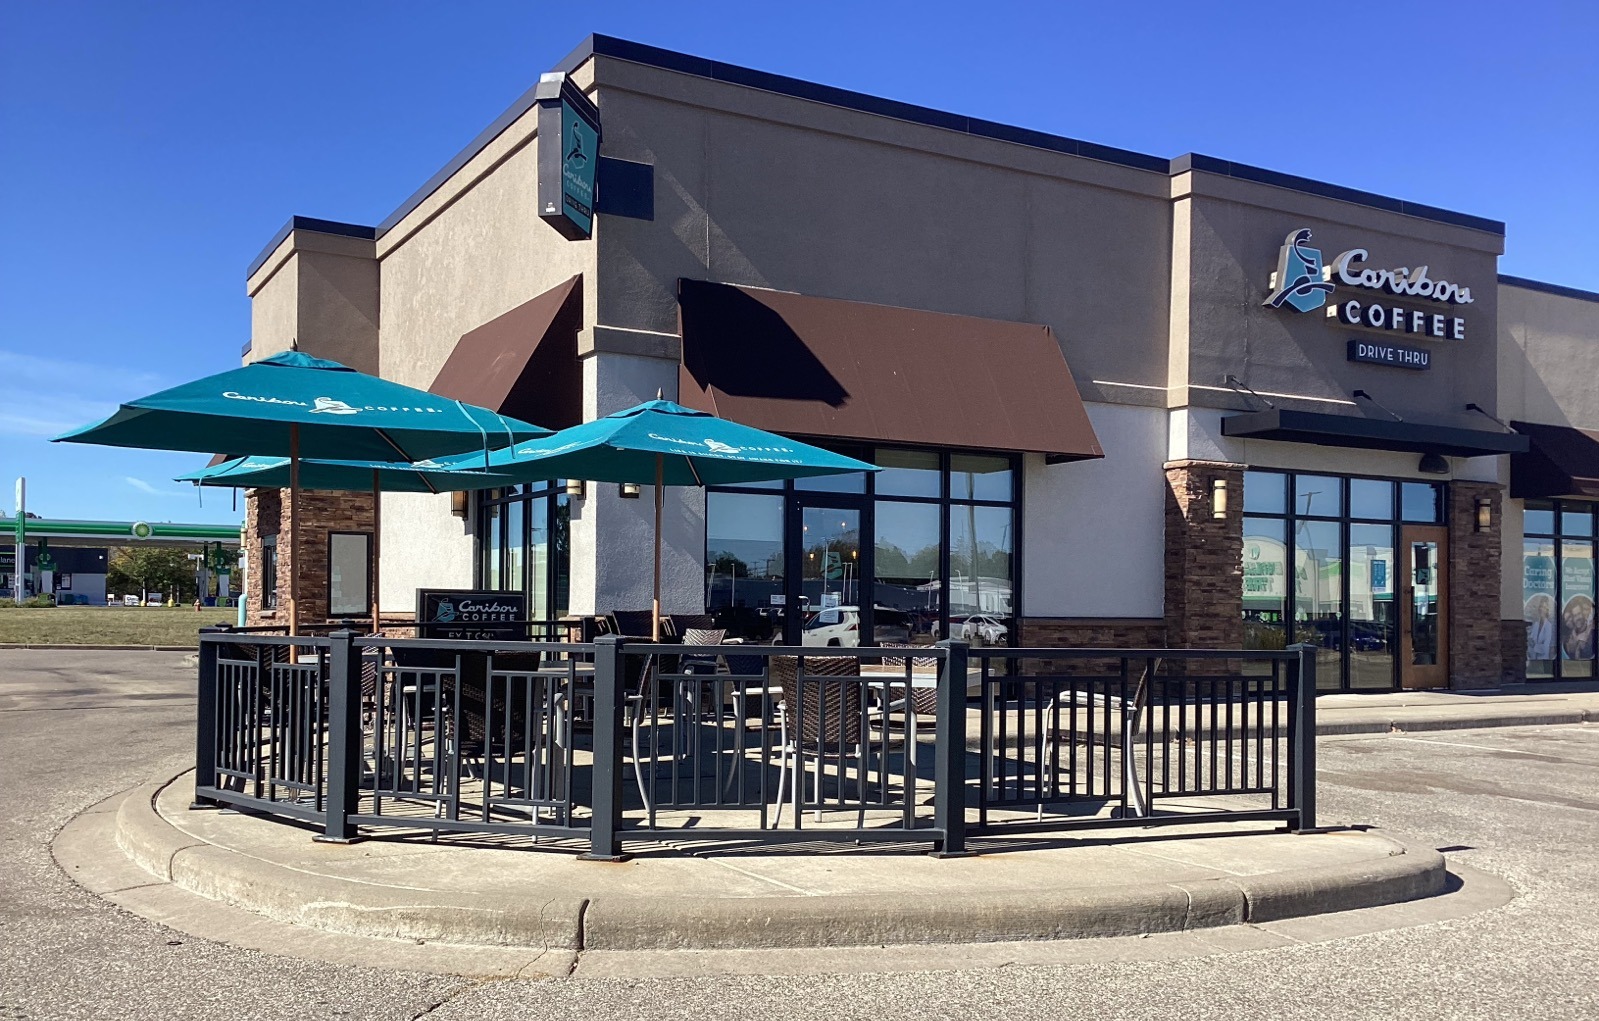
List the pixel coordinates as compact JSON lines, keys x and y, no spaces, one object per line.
{"x":1079,"y":559}
{"x":1548,"y":359}
{"x":1235,"y":231}
{"x":275,"y":308}
{"x":758,"y":189}
{"x":471,"y":252}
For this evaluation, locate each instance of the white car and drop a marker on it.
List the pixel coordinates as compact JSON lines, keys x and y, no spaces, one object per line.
{"x":835,"y":626}
{"x":981,"y":627}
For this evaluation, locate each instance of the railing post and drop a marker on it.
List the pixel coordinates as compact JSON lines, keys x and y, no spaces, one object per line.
{"x":606,"y":824}
{"x":205,"y":723}
{"x":344,"y":739}
{"x":1302,"y":736}
{"x":949,"y":764}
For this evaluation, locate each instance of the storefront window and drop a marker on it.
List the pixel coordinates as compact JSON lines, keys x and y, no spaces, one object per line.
{"x":1372,"y":620}
{"x":1576,"y":609}
{"x":980,"y":597}
{"x":1558,"y":588}
{"x":744,"y":560}
{"x":1318,"y":496}
{"x":1265,"y":493}
{"x":1323,"y":550}
{"x":924,"y":550}
{"x":515,"y":547}
{"x":908,"y":473}
{"x":1421,"y":502}
{"x":269,"y":572}
{"x":1265,"y":583}
{"x":1319,"y":594}
{"x":523,"y":546}
{"x":907,"y":569}
{"x":1371,"y":498}
{"x":976,"y":477}
{"x":493,"y":543}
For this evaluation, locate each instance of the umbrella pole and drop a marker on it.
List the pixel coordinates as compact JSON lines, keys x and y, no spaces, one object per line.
{"x":659,"y":497}
{"x":377,"y":533}
{"x":294,"y":529}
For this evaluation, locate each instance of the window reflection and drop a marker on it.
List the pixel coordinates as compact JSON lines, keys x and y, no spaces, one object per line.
{"x":1318,"y":595}
{"x":978,"y":477}
{"x":980,"y":566}
{"x":1372,"y":633}
{"x":908,"y":473}
{"x":744,"y":562}
{"x":1319,"y":496}
{"x":1265,"y":584}
{"x":907,"y":596}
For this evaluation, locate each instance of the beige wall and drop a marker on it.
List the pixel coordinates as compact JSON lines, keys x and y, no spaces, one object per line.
{"x":472,"y":251}
{"x":317,"y":292}
{"x":1235,"y":230}
{"x":764,"y":190}
{"x":1548,"y":357}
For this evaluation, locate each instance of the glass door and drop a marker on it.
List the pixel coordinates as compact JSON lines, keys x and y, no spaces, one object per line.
{"x":1424,"y":607}
{"x":828,"y":600}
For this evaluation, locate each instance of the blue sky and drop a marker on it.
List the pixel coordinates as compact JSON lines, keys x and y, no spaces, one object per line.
{"x":151,"y":149}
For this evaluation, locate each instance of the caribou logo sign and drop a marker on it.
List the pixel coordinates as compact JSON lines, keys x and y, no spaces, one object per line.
{"x":1298,"y":281}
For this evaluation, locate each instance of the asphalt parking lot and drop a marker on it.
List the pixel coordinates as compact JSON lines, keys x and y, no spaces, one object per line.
{"x":1518,"y":803}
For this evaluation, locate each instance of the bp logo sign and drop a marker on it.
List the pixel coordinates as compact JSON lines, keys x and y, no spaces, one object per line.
{"x":141,"y":530}
{"x":1298,"y":281}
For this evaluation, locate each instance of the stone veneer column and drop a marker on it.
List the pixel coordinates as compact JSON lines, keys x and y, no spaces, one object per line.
{"x":321,"y":513}
{"x":1204,"y":557}
{"x":1476,"y":635}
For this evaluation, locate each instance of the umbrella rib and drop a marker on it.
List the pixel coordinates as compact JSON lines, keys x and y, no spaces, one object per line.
{"x":694,"y":472}
{"x":397,"y":448}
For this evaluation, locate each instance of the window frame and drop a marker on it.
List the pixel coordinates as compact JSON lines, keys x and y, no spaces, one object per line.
{"x":1344,"y":520}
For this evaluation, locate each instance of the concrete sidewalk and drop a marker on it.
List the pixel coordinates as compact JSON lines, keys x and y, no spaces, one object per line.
{"x":1108,"y":883}
{"x":1520,"y":706}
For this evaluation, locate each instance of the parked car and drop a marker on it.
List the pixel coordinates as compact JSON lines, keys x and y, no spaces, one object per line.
{"x":980,"y":628}
{"x":835,"y":626}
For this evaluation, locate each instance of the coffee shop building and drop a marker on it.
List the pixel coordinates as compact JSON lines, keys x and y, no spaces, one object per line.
{"x":1119,"y":399}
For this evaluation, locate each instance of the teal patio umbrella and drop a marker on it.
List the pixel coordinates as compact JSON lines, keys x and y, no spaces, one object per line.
{"x":347,"y":476}
{"x":293,"y":405}
{"x":663,"y":444}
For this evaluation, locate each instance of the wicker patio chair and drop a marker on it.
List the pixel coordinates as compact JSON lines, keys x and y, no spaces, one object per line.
{"x":818,"y":719}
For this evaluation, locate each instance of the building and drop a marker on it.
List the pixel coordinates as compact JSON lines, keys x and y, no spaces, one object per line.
{"x":71,"y":574}
{"x":1122,"y":399}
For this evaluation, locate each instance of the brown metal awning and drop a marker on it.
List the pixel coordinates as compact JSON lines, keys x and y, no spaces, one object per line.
{"x":824,"y":367}
{"x":1562,"y":461}
{"x":523,"y":363}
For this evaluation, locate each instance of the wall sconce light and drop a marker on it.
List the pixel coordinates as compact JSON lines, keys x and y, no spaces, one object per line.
{"x":1485,"y":514}
{"x":1218,"y":498}
{"x":458,"y":504}
{"x":574,"y":488}
{"x":628,"y":490}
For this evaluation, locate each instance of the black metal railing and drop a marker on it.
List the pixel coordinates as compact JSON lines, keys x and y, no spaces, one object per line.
{"x":743,"y":742}
{"x":1163,"y":736}
{"x":610,"y":741}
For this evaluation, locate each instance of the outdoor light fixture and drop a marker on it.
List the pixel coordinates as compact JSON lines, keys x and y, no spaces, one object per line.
{"x":458,"y":504}
{"x":574,"y":488}
{"x":1433,"y":464}
{"x":628,"y":490}
{"x":1485,"y":514}
{"x":1218,"y":498}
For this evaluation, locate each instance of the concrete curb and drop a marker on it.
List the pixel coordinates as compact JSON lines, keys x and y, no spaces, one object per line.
{"x":106,"y":648}
{"x":1431,"y":719}
{"x":674,"y":923}
{"x":337,"y":905}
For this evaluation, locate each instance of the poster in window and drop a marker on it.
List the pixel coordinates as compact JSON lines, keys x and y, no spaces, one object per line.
{"x":1576,"y":615}
{"x":1538,"y":601}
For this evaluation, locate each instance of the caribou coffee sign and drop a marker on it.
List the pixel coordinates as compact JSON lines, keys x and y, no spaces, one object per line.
{"x":1303,"y":283}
